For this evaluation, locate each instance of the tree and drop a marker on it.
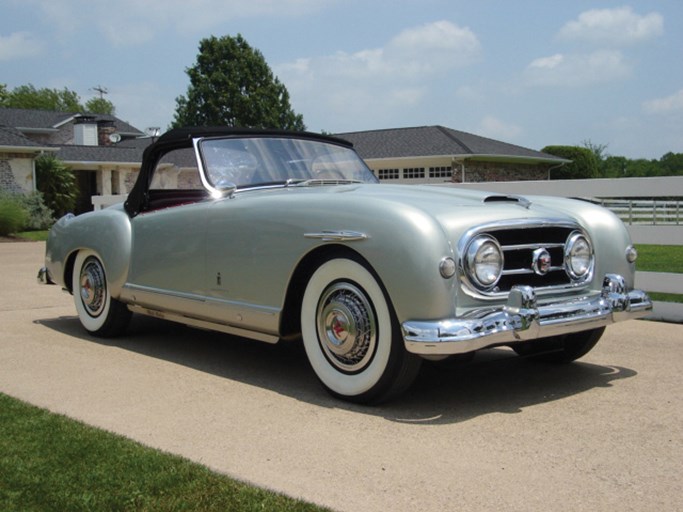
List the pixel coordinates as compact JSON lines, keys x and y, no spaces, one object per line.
{"x":57,"y":183}
{"x":4,"y":95}
{"x":232,"y":85}
{"x":64,"y":100}
{"x":584,"y":163}
{"x":100,"y":106}
{"x":672,"y":164}
{"x":27,"y":96}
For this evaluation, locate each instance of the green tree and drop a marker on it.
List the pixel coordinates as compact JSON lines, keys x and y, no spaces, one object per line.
{"x":27,"y":96}
{"x":4,"y":95}
{"x":672,"y":164}
{"x":100,"y":106}
{"x":57,"y":183}
{"x":232,"y":85}
{"x":584,"y":163}
{"x":615,"y":167}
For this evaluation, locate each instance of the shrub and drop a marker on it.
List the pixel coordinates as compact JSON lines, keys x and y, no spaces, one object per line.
{"x":57,"y":184}
{"x":13,"y":216}
{"x":39,"y":215}
{"x":584,"y":165}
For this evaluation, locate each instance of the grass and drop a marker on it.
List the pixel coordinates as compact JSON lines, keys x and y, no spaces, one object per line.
{"x":666,"y":297}
{"x":36,"y":236}
{"x":660,"y":258}
{"x":50,"y":462}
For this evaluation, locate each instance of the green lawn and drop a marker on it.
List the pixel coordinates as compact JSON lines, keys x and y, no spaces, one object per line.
{"x":37,"y":236}
{"x":660,"y":258}
{"x":49,"y":462}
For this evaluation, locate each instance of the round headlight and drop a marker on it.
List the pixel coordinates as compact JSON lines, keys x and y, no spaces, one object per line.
{"x":578,"y":256}
{"x":484,"y":259}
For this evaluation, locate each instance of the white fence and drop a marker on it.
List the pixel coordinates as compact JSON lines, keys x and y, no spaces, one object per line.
{"x":652,"y":212}
{"x":662,"y":224}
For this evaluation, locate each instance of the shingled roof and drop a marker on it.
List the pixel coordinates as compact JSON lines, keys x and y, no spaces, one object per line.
{"x":14,"y":139}
{"x":423,"y":141}
{"x":47,"y":120}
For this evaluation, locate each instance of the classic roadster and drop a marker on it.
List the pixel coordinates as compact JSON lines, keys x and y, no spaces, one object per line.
{"x":276,"y":235}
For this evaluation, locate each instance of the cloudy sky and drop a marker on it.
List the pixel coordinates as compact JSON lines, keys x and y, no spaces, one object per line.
{"x":528,"y":72}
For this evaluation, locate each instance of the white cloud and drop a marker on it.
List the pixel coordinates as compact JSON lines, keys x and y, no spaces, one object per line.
{"x":134,"y":22}
{"x":434,"y":46}
{"x":19,"y":45}
{"x":494,"y":128}
{"x":379,"y":82}
{"x":670,"y":103}
{"x":617,"y":26}
{"x":577,"y":70}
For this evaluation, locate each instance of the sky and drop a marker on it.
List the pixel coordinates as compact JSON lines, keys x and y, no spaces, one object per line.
{"x":527,"y":72}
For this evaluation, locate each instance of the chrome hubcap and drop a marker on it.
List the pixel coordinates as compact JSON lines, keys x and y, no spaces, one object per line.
{"x":93,"y":286}
{"x":347,"y":328}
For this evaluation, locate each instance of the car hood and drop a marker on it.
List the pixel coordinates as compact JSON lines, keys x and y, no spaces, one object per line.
{"x":446,"y":203}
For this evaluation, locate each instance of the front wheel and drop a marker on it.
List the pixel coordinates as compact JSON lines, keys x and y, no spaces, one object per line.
{"x":561,"y":349}
{"x":351,"y":335}
{"x":98,"y":312}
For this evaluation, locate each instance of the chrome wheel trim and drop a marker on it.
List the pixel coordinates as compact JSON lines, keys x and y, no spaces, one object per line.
{"x":347,"y":327}
{"x":93,"y":287}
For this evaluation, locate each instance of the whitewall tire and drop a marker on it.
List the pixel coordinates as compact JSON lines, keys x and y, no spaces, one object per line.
{"x":351,"y":335}
{"x":98,"y":312}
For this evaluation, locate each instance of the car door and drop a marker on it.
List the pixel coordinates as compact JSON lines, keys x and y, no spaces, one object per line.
{"x":169,"y":239}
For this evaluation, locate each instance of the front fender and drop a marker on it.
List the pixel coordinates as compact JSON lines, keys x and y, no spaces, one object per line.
{"x":107,"y":232}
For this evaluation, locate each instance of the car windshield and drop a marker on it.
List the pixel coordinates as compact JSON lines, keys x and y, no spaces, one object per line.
{"x":258,"y":161}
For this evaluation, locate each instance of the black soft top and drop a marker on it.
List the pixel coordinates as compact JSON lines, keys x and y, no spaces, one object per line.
{"x":180,"y":138}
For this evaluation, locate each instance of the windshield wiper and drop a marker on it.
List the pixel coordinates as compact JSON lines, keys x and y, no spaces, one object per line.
{"x":317,"y":182}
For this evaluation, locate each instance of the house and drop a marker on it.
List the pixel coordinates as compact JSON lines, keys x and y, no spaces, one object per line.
{"x":104,"y":151}
{"x":106,"y":154}
{"x":436,"y":154}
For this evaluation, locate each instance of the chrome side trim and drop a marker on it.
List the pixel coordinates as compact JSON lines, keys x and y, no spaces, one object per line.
{"x":522,"y":318}
{"x":204,"y":324}
{"x":337,"y":236}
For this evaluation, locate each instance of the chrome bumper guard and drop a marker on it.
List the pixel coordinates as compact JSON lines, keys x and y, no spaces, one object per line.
{"x":523,"y":319}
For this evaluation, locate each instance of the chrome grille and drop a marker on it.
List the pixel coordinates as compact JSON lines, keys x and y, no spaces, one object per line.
{"x":518,"y":242}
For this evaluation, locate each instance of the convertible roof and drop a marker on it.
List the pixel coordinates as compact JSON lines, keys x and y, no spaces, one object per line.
{"x":177,"y":135}
{"x":179,"y":138}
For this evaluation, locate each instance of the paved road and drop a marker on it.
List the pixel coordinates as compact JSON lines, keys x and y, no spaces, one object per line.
{"x":501,"y":433}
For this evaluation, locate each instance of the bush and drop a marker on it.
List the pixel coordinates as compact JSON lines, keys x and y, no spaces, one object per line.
{"x":39,"y":215}
{"x":584,"y":165}
{"x":13,"y":216}
{"x":57,"y":184}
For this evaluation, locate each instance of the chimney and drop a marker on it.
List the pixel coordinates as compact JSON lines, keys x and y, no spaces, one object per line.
{"x":105,"y":129}
{"x":85,"y":131}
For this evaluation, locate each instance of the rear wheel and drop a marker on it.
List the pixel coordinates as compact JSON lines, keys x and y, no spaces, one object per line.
{"x":98,"y":312}
{"x":561,"y":349}
{"x":351,"y":335}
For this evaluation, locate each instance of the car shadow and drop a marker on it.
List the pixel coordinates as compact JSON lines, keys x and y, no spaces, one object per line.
{"x":496,"y":381}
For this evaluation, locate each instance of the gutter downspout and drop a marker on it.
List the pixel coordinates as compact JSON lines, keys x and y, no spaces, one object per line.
{"x":555,"y":167}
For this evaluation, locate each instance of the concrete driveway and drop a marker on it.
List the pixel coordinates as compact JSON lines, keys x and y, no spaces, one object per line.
{"x":500,"y":433}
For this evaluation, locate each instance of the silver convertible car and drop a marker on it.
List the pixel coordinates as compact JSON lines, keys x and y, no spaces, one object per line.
{"x":276,"y":236}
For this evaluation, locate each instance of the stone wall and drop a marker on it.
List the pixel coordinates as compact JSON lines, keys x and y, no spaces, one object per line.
{"x":16,"y":173}
{"x":476,"y":172}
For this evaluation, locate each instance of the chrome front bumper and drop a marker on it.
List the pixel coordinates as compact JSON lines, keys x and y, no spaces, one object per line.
{"x":523,"y":319}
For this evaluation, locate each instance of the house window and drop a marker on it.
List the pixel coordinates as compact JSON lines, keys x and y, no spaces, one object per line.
{"x":388,"y":174}
{"x":413,"y":173}
{"x":440,"y":172}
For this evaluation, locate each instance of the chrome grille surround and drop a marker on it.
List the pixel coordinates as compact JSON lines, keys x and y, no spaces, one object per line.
{"x":522,"y":241}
